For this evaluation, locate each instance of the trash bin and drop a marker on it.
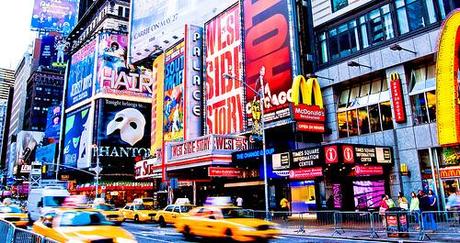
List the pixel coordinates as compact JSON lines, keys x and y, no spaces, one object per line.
{"x":397,"y":223}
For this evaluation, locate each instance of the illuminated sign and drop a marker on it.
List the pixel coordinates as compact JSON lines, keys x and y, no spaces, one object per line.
{"x":331,"y":154}
{"x":397,"y":98}
{"x":224,"y":172}
{"x":370,"y":170}
{"x":148,"y":169}
{"x":157,"y":104}
{"x":281,"y":161}
{"x":306,"y":173}
{"x":253,"y":154}
{"x":307,"y":157}
{"x":309,"y":114}
{"x":447,"y":107}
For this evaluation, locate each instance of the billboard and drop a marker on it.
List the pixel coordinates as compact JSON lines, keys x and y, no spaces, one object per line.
{"x":77,"y":138}
{"x":173,"y":107}
{"x":47,"y":155}
{"x":193,"y":81}
{"x":53,"y":51}
{"x":123,"y":134}
{"x":224,"y":96}
{"x":156,"y":23}
{"x":55,"y":15}
{"x":26,"y":143}
{"x":269,"y":57}
{"x":157,"y":103}
{"x":53,"y":123}
{"x":81,"y":72}
{"x":114,"y":76}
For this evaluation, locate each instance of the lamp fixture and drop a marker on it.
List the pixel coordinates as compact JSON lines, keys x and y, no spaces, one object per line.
{"x":397,"y":47}
{"x":356,"y":64}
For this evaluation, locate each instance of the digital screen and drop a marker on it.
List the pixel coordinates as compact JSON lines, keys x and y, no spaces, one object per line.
{"x":367,"y":194}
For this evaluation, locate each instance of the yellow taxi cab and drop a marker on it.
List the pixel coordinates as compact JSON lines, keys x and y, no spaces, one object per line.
{"x":110,"y":212}
{"x":138,"y":212}
{"x":14,"y":215}
{"x":80,"y":225}
{"x":171,"y":212}
{"x":145,"y":200}
{"x":230,"y":222}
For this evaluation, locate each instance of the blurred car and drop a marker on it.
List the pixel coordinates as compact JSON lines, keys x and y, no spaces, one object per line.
{"x":138,"y":212}
{"x":145,"y":200}
{"x":110,"y":212}
{"x":229,"y":222}
{"x":15,"y":215}
{"x":171,"y":212}
{"x":80,"y":225}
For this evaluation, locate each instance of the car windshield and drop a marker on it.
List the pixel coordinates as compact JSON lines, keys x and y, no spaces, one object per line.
{"x":147,"y":200}
{"x":10,"y":209}
{"x":82,"y":218}
{"x":105,"y":207}
{"x":50,"y":201}
{"x":142,"y":207}
{"x":230,"y":213}
{"x":185,"y":209}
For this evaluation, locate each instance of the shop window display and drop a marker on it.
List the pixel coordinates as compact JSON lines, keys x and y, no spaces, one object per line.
{"x":422,"y":94}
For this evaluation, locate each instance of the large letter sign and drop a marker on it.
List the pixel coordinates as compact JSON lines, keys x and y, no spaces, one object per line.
{"x":309,"y":115}
{"x":447,"y":102}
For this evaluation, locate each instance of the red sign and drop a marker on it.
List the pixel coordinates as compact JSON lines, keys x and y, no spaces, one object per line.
{"x":268,"y":54}
{"x":311,"y":113}
{"x":206,"y":144}
{"x":397,"y":98}
{"x":331,"y":155}
{"x":309,"y":127}
{"x":348,"y":154}
{"x":224,"y":104}
{"x":450,"y":172}
{"x":224,"y":172}
{"x":306,"y":173}
{"x":369,"y":170}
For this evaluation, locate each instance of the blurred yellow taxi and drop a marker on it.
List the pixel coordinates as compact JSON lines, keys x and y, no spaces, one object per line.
{"x":145,"y":200}
{"x":14,"y":215}
{"x":80,"y":225}
{"x":138,"y":212}
{"x":232,"y":223}
{"x":171,"y":212}
{"x":110,"y":212}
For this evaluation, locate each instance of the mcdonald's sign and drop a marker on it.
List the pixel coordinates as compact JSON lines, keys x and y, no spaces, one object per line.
{"x":397,"y":98}
{"x":447,"y":99}
{"x":309,"y":114}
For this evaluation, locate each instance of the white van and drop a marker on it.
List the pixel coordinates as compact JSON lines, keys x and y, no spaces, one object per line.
{"x":42,"y":200}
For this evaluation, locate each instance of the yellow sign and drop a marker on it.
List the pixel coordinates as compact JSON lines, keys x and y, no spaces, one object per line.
{"x":157,"y":104}
{"x":309,"y":89}
{"x":447,"y":106}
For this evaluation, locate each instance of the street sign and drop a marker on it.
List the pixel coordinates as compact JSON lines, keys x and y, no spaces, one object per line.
{"x":174,"y":183}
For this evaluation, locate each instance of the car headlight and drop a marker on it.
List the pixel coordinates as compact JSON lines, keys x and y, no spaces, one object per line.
{"x":245,"y":228}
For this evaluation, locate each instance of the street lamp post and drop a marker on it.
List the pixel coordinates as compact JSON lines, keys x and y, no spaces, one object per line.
{"x":261,"y":94}
{"x":97,"y":170}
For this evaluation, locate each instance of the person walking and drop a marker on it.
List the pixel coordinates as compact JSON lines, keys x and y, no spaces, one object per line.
{"x":453,"y":204}
{"x":383,"y":208}
{"x":415,"y":208}
{"x":284,"y":203}
{"x":402,"y":201}
{"x":432,"y":206}
{"x":239,"y":201}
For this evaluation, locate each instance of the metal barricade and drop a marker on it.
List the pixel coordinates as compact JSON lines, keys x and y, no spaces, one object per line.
{"x":26,"y":236}
{"x":439,"y":223}
{"x":6,"y":231}
{"x":354,"y":221}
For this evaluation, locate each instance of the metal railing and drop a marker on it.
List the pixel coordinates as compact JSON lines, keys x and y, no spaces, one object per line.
{"x":11,"y":234}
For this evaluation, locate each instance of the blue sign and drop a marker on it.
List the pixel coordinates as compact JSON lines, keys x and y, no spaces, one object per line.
{"x":46,"y":155}
{"x":53,"y":123}
{"x":250,"y":154}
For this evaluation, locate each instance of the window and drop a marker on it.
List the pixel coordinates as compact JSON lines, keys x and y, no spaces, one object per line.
{"x":422,"y":94}
{"x":415,"y":14}
{"x":338,"y":4}
{"x":126,"y":12}
{"x":177,"y":210}
{"x":364,"y":109}
{"x":169,"y":208}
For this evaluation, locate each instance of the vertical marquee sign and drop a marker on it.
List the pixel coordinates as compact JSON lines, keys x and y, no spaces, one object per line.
{"x":447,"y":107}
{"x":397,"y":98}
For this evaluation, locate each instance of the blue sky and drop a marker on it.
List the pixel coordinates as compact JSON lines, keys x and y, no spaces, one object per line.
{"x":15,"y":18}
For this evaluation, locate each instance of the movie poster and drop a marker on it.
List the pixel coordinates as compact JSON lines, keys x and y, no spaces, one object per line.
{"x":269,"y":59}
{"x":55,"y":15}
{"x":81,"y":72}
{"x":157,"y":103}
{"x":224,"y":95}
{"x":26,"y":143}
{"x":173,"y":103}
{"x":114,"y":76}
{"x":123,"y":134}
{"x":53,"y":123}
{"x":77,"y":138}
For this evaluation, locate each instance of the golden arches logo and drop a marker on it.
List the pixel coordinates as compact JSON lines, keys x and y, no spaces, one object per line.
{"x":308,"y":89}
{"x":394,"y":76}
{"x":447,"y":105}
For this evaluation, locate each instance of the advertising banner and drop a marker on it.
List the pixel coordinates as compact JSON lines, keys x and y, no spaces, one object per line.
{"x":81,"y":72}
{"x":26,"y":143}
{"x":77,"y":138}
{"x":173,"y":110}
{"x":397,"y":98}
{"x":113,"y":74}
{"x":281,"y":161}
{"x":193,"y":80}
{"x":147,"y":169}
{"x":47,"y":156}
{"x":157,"y":103}
{"x":123,"y":134}
{"x":52,"y":51}
{"x":224,"y":95}
{"x":270,"y":62}
{"x":307,"y":157}
{"x":55,"y":15}
{"x":154,"y":21}
{"x":53,"y":123}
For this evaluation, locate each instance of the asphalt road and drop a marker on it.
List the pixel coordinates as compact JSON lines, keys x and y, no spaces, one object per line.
{"x":153,"y":233}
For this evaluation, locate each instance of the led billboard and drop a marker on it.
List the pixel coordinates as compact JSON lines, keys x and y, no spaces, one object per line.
{"x":53,"y":51}
{"x":158,"y":68}
{"x":224,"y":96}
{"x":55,"y":15}
{"x":53,"y":123}
{"x":77,"y":138}
{"x":26,"y":143}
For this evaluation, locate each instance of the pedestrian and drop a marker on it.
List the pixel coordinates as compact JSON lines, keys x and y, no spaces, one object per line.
{"x":453,"y":204}
{"x":284,"y":203}
{"x":330,"y":203}
{"x":390,"y":202}
{"x":402,"y":201}
{"x":428,"y":221}
{"x":383,"y":208}
{"x":239,"y":201}
{"x":415,"y":208}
